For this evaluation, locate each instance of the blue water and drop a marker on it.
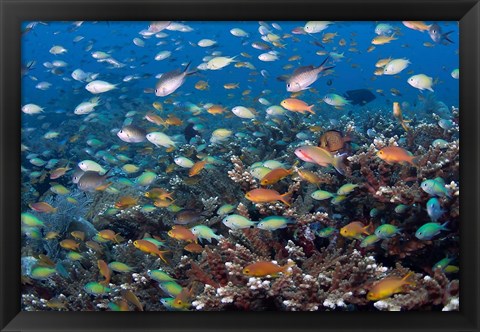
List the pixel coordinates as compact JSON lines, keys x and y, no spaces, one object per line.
{"x":436,"y":62}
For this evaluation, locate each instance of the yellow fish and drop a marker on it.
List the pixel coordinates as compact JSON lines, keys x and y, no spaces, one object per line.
{"x":389,"y":286}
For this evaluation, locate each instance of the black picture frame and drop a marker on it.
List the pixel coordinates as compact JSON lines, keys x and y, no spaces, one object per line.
{"x":13,"y":12}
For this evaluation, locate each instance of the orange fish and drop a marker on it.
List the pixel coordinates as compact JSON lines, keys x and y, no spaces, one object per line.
{"x":108,"y":234}
{"x":78,"y":235}
{"x":150,"y":248}
{"x":162,"y":203}
{"x":265,"y":268}
{"x":389,"y":286}
{"x":170,"y":168}
{"x":158,"y":193}
{"x":416,"y":25}
{"x":267,"y":196}
{"x":355,"y":230}
{"x":173,"y":121}
{"x":194,"y":248}
{"x":309,"y":176}
{"x":333,"y":140}
{"x":104,"y":271}
{"x":154,"y":118}
{"x":231,"y":86}
{"x":69,"y":244}
{"x":42,"y":207}
{"x":133,"y":299}
{"x":397,"y":113}
{"x":202,"y":85}
{"x":94,"y":246}
{"x":275,"y":175}
{"x":197,"y":168}
{"x":56,"y":173}
{"x":296,"y":105}
{"x":395,"y":154}
{"x":216,"y":109}
{"x":181,"y":233}
{"x":126,"y":202}
{"x":183,"y":300}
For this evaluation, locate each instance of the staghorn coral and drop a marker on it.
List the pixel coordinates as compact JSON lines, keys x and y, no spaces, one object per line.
{"x":241,"y":175}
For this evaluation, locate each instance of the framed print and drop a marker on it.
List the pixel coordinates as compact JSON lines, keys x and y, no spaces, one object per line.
{"x":252,"y":165}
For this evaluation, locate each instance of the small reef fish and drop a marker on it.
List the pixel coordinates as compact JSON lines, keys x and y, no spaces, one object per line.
{"x":395,"y":154}
{"x":388,"y":287}
{"x":264,"y":268}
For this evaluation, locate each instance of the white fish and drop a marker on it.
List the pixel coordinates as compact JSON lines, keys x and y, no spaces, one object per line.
{"x":57,"y":49}
{"x":162,"y":55}
{"x":90,"y":165}
{"x":236,"y":221}
{"x":421,"y":82}
{"x":43,"y":86}
{"x":100,"y":87}
{"x":237,"y":32}
{"x":243,"y":112}
{"x":160,"y":139}
{"x":183,"y":162}
{"x":395,"y":66}
{"x":171,"y":81}
{"x":220,"y":62}
{"x":303,"y":77}
{"x":59,"y":63}
{"x":100,"y":55}
{"x":455,"y":73}
{"x":31,"y":109}
{"x":175,"y":26}
{"x":264,"y":101}
{"x":316,"y":26}
{"x":87,"y":107}
{"x":81,"y":76}
{"x":276,"y":110}
{"x":158,"y":26}
{"x":220,"y":135}
{"x":139,"y":42}
{"x":267,"y":57}
{"x":206,"y":43}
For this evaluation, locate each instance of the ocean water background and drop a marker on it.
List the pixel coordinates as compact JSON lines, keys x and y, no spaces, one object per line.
{"x":117,"y":37}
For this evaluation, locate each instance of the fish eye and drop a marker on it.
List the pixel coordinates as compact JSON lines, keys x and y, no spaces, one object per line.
{"x":246,"y":271}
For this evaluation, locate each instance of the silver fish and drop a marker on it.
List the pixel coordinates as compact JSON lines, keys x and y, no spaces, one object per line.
{"x":91,"y":180}
{"x":303,"y":77}
{"x":171,"y":81}
{"x":132,"y":134}
{"x":438,"y":36}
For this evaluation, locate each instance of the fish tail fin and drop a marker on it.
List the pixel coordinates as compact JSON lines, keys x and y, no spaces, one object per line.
{"x":310,"y":109}
{"x":339,"y":164}
{"x":407,"y":276}
{"x":369,"y":229}
{"x":324,"y":62}
{"x":404,"y":125}
{"x":445,"y":36}
{"x":444,"y":226}
{"x":285,"y":198}
{"x":161,"y":255}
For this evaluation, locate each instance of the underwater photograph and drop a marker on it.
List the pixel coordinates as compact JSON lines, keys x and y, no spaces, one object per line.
{"x":240,"y":166}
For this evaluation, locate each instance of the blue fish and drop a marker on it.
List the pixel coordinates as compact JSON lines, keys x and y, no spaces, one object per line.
{"x":434,"y":209}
